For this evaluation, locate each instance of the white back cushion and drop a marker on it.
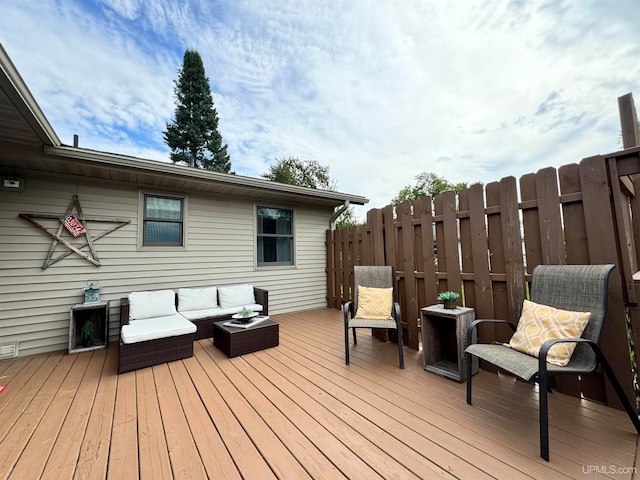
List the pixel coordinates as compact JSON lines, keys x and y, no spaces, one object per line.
{"x":197,"y":298}
{"x":159,"y":303}
{"x":236,"y":295}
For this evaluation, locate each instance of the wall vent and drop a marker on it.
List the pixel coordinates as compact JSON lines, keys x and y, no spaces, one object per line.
{"x":8,"y":350}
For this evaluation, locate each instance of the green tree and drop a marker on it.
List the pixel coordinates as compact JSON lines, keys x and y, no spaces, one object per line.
{"x":348,"y":219}
{"x":193,"y":135}
{"x":305,"y":173}
{"x":427,"y":183}
{"x":308,"y":173}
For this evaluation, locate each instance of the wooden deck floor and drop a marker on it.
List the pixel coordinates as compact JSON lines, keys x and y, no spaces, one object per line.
{"x":294,"y":411}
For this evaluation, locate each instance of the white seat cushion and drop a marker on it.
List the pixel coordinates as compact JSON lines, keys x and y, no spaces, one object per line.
{"x":218,"y":312}
{"x":158,"y":303}
{"x":236,"y":296}
{"x":157,"y":327}
{"x":197,"y":298}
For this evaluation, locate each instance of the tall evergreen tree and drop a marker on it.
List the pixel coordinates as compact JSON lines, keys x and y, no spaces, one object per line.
{"x":193,"y":136}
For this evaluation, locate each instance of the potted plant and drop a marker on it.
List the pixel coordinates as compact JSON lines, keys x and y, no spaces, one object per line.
{"x":87,"y":332}
{"x":448,"y":299}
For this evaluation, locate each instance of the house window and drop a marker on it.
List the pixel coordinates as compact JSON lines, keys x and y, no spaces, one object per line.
{"x":275,"y":236}
{"x":163,"y":220}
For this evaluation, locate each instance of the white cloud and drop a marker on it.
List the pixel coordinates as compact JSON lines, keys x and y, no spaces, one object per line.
{"x":379,"y":91}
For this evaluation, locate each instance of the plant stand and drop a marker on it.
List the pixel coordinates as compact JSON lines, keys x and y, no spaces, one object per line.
{"x":444,"y":338}
{"x":98,"y":314}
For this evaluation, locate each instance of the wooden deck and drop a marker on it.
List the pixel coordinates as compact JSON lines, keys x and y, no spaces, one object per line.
{"x":294,"y":411}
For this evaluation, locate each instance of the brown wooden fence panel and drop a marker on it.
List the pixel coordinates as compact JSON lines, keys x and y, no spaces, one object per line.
{"x":330,"y":270}
{"x":440,"y":247}
{"x":635,"y":215}
{"x":418,"y":255}
{"x":489,"y":332}
{"x":451,"y":251}
{"x":530,"y":221}
{"x":351,"y":236}
{"x":466,"y":249}
{"x":548,"y":199}
{"x":624,"y":235}
{"x":480,"y":249}
{"x":389,"y":237}
{"x":428,"y":266}
{"x":513,"y":256}
{"x":575,"y":229}
{"x":602,"y":244}
{"x":405,"y":216}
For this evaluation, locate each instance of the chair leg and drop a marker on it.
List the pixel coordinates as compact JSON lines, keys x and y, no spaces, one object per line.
{"x":346,"y":345}
{"x":468,"y":359}
{"x":400,"y":348}
{"x":543,"y":387}
{"x":355,"y":339}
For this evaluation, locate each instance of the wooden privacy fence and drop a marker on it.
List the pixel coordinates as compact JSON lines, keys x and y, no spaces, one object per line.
{"x":485,"y":242}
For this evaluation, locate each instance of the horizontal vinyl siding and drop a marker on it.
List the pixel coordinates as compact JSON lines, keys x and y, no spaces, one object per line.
{"x":220,"y":238}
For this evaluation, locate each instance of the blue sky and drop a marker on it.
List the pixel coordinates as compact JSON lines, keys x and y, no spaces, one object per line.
{"x":380,"y":91}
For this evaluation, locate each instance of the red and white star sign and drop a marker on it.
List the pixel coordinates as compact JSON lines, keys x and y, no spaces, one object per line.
{"x":74,"y":226}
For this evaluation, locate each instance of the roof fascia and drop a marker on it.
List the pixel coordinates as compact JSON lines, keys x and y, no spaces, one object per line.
{"x":115,"y":161}
{"x":19,"y":94}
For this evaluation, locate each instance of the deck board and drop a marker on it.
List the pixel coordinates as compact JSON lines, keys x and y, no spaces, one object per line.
{"x":290,"y":412}
{"x":93,"y":456}
{"x":65,"y":452}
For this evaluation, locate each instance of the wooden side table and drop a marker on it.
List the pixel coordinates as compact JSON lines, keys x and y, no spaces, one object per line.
{"x":444,"y":338}
{"x":96,"y":314}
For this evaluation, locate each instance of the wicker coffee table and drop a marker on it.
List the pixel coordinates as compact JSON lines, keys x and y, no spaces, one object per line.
{"x":239,"y":341}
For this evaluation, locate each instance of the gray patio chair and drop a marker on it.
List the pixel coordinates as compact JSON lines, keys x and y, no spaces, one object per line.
{"x":376,"y":277}
{"x":580,"y":288}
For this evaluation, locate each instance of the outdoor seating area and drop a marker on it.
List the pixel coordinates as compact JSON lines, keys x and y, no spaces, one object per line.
{"x":293,"y":411}
{"x":160,"y":326}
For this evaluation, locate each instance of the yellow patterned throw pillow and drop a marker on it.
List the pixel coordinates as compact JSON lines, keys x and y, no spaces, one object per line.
{"x":374,"y":303}
{"x":539,"y":323}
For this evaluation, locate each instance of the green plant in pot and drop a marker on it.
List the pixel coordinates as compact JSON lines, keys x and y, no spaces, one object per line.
{"x":245,"y":312}
{"x":448,"y":299}
{"x":87,"y":332}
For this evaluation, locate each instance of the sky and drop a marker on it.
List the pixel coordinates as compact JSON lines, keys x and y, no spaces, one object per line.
{"x":377,"y":90}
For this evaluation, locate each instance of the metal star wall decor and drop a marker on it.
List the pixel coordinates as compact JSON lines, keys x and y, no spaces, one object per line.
{"x":76,"y":225}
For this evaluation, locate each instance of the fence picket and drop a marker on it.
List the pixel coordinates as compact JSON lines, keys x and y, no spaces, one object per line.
{"x":480,"y":249}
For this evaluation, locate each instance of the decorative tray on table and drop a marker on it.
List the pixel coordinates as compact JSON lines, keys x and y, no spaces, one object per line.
{"x":244,"y":318}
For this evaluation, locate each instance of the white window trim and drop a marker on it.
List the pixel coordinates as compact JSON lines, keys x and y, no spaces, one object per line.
{"x":294,"y":229}
{"x":185,"y":221}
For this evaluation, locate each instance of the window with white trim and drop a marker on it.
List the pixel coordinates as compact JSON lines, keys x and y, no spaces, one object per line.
{"x":163,"y":220}
{"x":275,"y":236}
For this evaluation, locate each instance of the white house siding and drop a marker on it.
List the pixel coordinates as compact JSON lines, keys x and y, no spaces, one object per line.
{"x":220,"y":236}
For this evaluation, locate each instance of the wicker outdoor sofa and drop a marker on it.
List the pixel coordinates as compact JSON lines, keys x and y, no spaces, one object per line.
{"x":160,"y":326}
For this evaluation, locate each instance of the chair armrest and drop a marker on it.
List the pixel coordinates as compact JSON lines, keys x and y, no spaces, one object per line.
{"x":124,"y":311}
{"x":546,"y":346}
{"x":396,"y":314}
{"x":347,"y":309}
{"x":262,"y":297}
{"x":474,"y":325}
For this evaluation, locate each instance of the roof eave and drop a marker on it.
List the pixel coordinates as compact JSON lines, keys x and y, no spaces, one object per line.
{"x":19,"y":94}
{"x":113,"y":160}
